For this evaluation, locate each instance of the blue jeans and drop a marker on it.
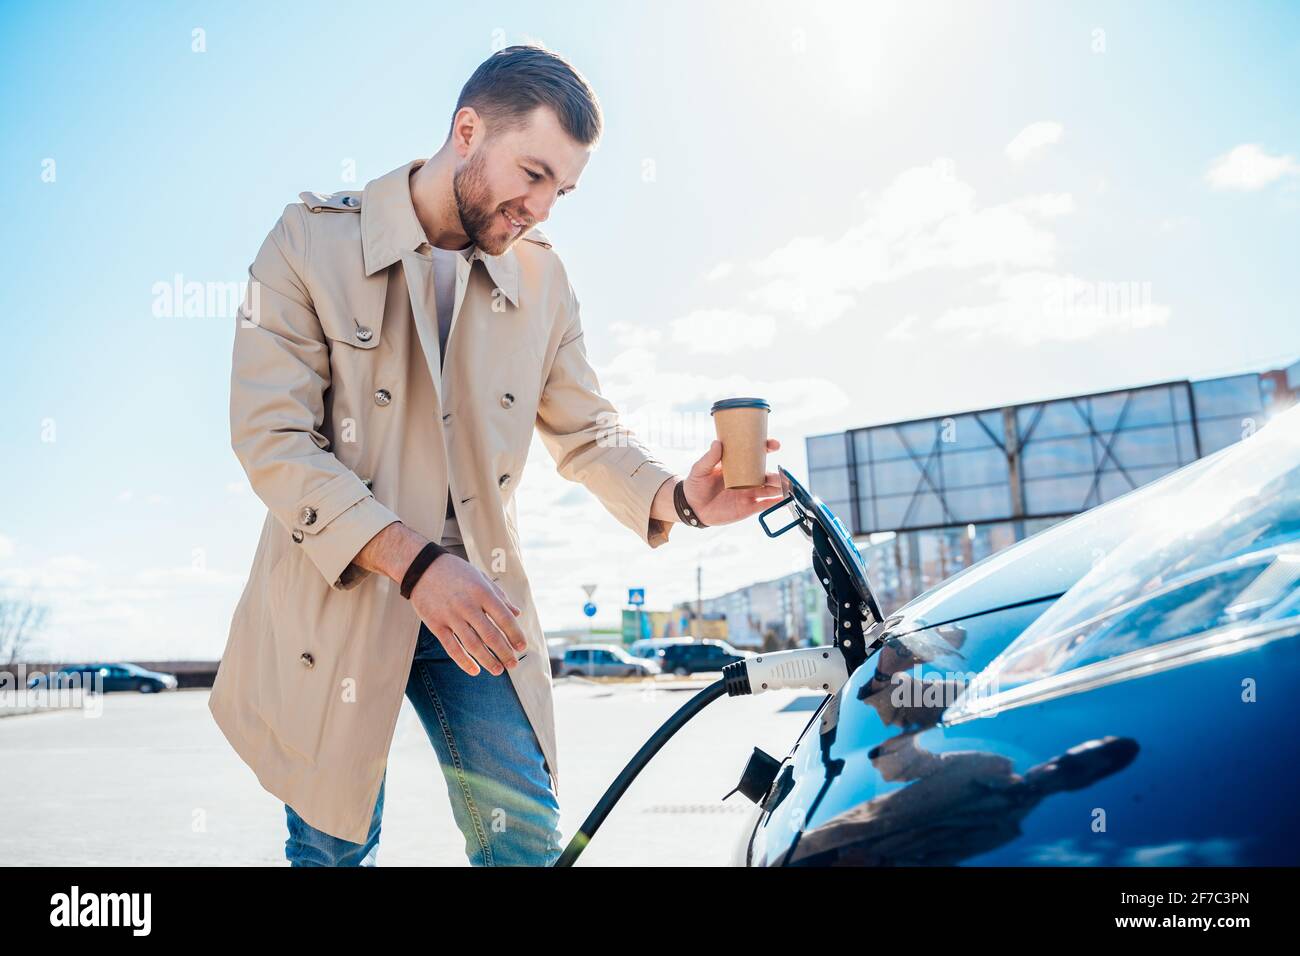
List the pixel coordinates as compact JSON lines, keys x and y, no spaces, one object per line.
{"x":501,"y":791}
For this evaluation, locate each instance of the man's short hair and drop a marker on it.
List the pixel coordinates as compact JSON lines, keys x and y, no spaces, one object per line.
{"x":513,"y":82}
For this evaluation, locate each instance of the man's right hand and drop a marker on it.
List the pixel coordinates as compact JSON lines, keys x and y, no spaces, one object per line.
{"x":464,"y":609}
{"x":470,"y":615}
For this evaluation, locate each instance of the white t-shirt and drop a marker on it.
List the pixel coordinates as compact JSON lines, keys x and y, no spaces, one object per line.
{"x":444,"y":290}
{"x":444,"y":295}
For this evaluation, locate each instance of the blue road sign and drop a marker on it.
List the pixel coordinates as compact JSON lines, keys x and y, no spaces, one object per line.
{"x":589,"y":609}
{"x":636,"y":596}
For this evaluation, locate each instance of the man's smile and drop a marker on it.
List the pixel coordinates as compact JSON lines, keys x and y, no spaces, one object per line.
{"x":514,"y":225}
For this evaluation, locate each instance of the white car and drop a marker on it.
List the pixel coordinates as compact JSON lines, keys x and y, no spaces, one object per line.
{"x":604,"y":660}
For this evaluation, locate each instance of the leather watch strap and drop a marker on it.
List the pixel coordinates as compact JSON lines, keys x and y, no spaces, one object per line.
{"x":685,"y":513}
{"x":428,"y":554}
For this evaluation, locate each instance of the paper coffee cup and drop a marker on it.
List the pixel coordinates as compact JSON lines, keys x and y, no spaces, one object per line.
{"x":741,"y":424}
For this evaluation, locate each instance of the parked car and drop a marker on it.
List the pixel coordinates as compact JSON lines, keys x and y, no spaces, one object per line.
{"x":649,"y":647}
{"x":73,"y":675}
{"x":1115,"y":690}
{"x":555,"y":647}
{"x":605,"y":660}
{"x":697,"y":656}
{"x":106,"y":677}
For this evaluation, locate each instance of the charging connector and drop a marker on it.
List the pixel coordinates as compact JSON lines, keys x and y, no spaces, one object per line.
{"x":811,"y":668}
{"x":808,"y":668}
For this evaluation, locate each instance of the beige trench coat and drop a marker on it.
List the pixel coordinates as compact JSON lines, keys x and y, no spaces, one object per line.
{"x":337,"y":414}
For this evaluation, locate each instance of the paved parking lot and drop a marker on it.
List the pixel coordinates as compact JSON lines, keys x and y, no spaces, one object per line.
{"x":152,"y":781}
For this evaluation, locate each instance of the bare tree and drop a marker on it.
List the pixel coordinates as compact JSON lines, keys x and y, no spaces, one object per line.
{"x":20,"y":620}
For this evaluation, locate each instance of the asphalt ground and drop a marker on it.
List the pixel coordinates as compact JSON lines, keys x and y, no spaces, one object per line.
{"x":150,"y":780}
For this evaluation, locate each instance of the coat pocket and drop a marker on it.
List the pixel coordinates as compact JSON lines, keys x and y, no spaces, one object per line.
{"x":297,"y":663}
{"x":342,"y":327}
{"x":350,"y":314}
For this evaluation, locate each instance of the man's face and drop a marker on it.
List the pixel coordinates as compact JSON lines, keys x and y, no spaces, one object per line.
{"x":507,"y":183}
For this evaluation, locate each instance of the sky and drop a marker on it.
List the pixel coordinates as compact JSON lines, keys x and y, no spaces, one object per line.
{"x":863,"y":212}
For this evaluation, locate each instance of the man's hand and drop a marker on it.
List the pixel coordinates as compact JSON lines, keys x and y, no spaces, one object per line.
{"x":464,"y":609}
{"x":470,"y":615}
{"x":716,"y":504}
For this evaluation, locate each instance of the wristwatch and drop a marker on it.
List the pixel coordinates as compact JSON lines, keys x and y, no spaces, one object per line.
{"x":685,"y":513}
{"x":428,"y":554}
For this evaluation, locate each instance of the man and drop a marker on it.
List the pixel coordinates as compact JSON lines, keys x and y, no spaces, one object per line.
{"x":397,"y":348}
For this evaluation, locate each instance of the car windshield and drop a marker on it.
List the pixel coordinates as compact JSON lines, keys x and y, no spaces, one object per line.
{"x":1217,"y":557}
{"x":1052,"y":552}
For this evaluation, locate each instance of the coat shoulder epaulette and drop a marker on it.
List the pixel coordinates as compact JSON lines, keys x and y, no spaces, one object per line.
{"x":347,"y":201}
{"x":536,"y":235}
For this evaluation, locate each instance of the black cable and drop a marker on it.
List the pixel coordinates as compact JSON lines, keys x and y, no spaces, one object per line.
{"x":634,"y":767}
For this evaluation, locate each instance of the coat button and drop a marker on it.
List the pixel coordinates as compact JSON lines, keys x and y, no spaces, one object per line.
{"x":507,"y":400}
{"x":383,"y":396}
{"x":364,"y":334}
{"x":307,"y":660}
{"x":297,"y":536}
{"x":503,"y":480}
{"x":308,"y":516}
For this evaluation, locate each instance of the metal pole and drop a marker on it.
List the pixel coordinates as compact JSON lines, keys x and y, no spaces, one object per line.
{"x":699,"y":604}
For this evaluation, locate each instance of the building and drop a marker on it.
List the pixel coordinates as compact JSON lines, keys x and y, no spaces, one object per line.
{"x":789,"y":611}
{"x":928,"y":497}
{"x":642,"y":624}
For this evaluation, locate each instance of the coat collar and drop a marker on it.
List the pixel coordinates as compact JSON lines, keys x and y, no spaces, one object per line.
{"x":390,"y":227}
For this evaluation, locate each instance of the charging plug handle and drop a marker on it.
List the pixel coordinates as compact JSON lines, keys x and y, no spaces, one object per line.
{"x":808,"y":668}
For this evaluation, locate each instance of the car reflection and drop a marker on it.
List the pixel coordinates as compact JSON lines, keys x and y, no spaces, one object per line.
{"x":957,"y":806}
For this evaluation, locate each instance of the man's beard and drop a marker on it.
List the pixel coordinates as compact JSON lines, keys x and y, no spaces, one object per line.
{"x":477,"y":215}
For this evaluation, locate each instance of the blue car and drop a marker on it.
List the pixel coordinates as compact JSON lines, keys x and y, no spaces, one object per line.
{"x":106,"y":677}
{"x":1114,"y":691}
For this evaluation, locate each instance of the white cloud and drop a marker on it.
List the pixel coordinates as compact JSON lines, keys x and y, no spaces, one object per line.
{"x":905,"y":330}
{"x":1033,"y":139}
{"x":188,"y":577}
{"x":127,"y":495}
{"x":62,"y":573}
{"x":642,"y":392}
{"x":720,"y":271}
{"x":629,"y":336}
{"x":1248,"y":167}
{"x":723,"y":330}
{"x":925,"y":220}
{"x":1039,"y":306}
{"x":111,"y":612}
{"x":6,"y":547}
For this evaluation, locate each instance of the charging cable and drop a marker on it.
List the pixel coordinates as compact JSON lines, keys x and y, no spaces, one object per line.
{"x":811,"y":668}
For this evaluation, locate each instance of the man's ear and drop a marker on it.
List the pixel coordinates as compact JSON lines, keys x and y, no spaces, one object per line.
{"x":466,"y":127}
